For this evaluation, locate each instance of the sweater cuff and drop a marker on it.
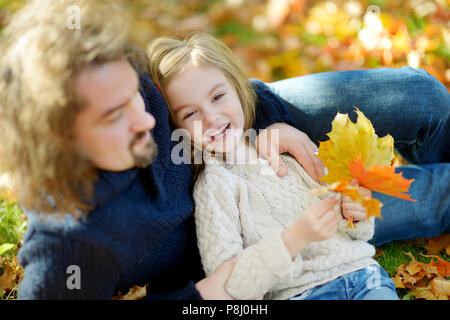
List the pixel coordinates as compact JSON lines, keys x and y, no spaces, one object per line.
{"x":275,"y":256}
{"x":364,"y":229}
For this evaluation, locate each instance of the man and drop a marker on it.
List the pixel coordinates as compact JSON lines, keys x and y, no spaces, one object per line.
{"x":87,"y":147}
{"x":103,"y":199}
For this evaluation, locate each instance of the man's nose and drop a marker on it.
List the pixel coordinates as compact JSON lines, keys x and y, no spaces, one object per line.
{"x":142,"y":121}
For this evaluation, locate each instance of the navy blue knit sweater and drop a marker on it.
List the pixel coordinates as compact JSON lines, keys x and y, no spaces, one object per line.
{"x":141,"y":230}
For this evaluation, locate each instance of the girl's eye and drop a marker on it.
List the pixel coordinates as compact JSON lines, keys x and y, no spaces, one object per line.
{"x":218,"y":96}
{"x":188,"y":115}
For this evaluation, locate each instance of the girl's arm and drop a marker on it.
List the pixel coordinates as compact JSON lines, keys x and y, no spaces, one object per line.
{"x":258,"y":267}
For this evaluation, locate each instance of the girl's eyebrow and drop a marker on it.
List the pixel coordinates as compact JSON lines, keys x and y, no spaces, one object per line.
{"x":178,"y":109}
{"x":215,"y":87}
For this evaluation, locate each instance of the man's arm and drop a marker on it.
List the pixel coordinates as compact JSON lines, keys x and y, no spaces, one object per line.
{"x":57,"y":267}
{"x":280,"y":135}
{"x":270,"y":108}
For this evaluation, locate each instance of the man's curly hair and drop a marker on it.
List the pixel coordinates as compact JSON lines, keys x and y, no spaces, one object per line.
{"x":40,"y":57}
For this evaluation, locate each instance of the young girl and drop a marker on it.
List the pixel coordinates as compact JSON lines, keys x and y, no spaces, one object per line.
{"x":289,"y":245}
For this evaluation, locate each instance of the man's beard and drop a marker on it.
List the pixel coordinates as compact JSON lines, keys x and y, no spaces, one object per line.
{"x":148,"y":155}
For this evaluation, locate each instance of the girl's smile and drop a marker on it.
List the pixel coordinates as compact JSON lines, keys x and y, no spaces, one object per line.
{"x":204,"y":102}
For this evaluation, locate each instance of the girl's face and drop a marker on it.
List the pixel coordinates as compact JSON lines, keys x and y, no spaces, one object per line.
{"x":204,"y":102}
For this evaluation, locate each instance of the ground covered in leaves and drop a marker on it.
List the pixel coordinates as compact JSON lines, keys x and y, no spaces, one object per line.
{"x":277,"y":39}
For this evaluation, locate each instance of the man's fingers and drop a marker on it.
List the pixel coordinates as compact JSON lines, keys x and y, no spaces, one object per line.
{"x":318,"y":164}
{"x":278,"y":165}
{"x":307,"y":156}
{"x":271,"y":154}
{"x":304,"y":156}
{"x":275,"y":161}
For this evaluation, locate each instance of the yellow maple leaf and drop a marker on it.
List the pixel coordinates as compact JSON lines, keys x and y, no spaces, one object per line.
{"x":354,"y":151}
{"x":348,"y":141}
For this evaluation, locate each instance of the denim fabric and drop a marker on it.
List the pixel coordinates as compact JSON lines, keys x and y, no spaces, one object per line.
{"x":407,"y":103}
{"x":370,"y":283}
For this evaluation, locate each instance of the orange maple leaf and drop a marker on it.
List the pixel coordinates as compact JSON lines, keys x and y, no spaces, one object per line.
{"x":381,"y":179}
{"x":372,"y":205}
{"x":442,"y":266}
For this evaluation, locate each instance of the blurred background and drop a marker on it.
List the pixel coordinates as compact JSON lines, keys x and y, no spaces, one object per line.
{"x":277,"y":39}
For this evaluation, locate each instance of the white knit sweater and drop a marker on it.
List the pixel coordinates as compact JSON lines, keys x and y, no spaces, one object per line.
{"x":243,"y":209}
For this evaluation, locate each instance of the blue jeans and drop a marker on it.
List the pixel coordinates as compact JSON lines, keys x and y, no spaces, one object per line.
{"x":370,"y":283}
{"x":407,"y":103}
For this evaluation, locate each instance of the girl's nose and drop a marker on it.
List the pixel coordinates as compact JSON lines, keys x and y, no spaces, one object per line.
{"x":209,"y":118}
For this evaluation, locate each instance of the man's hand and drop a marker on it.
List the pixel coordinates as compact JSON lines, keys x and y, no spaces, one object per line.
{"x":213,"y":286}
{"x":279,"y":138}
{"x":352,"y":208}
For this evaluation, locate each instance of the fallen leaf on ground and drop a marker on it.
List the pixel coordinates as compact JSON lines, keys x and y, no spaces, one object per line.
{"x":439,"y":243}
{"x":424,"y":280}
{"x":135,"y":293}
{"x":442,"y":266}
{"x":12,"y":274}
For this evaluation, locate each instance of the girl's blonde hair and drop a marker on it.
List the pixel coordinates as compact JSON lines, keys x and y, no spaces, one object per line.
{"x":168,"y":56}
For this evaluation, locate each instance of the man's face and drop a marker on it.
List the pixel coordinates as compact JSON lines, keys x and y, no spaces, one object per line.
{"x":113,"y":130}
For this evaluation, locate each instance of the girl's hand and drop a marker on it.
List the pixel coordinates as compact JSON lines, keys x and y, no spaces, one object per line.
{"x":213,"y":286}
{"x":352,"y":208}
{"x":279,"y":138}
{"x":318,"y":222}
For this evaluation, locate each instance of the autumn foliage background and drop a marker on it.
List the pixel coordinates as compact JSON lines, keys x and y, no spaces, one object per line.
{"x":277,"y":39}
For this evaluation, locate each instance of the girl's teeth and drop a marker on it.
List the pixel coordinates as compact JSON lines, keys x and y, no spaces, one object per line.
{"x":220,"y":134}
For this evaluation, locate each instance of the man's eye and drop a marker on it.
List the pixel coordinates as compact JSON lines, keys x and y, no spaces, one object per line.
{"x":115,"y":116}
{"x":218,"y":96}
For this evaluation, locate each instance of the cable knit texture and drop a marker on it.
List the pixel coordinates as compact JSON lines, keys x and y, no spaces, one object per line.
{"x":243,"y":209}
{"x":141,"y":229}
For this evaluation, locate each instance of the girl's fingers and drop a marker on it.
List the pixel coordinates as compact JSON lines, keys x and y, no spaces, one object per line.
{"x":355,"y":206}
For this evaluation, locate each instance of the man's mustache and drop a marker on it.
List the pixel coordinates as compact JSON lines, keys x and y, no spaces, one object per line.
{"x":137,"y":137}
{"x":143,"y":161}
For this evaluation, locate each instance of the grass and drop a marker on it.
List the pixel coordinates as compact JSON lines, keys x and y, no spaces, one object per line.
{"x":12,"y":228}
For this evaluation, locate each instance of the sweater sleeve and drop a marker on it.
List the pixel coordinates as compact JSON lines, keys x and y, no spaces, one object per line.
{"x":364,"y":229}
{"x":57,"y":267}
{"x":270,"y":108}
{"x":259,"y":267}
